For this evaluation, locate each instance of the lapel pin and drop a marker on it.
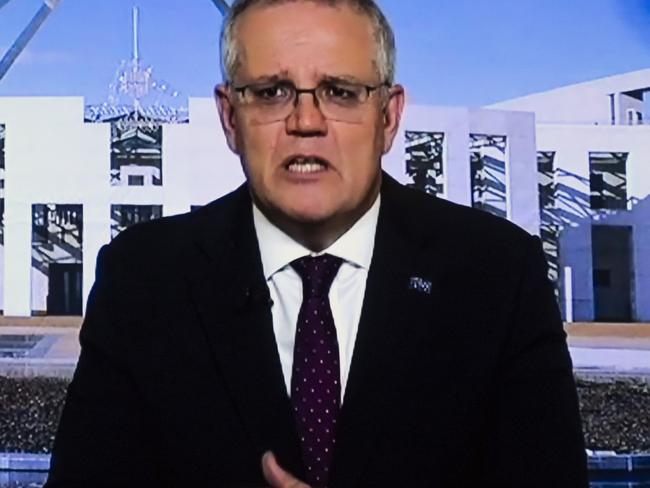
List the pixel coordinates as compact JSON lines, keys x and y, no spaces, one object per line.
{"x":420,"y":285}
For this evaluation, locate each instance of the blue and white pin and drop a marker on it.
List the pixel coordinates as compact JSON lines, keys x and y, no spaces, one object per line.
{"x":420,"y":285}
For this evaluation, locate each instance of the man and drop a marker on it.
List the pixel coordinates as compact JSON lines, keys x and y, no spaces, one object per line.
{"x":321,"y":325}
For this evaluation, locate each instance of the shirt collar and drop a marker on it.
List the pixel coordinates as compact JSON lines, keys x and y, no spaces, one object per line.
{"x":278,"y":250}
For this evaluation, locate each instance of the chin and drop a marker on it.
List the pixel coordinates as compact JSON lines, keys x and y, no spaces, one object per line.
{"x":310,"y":210}
{"x":309,"y":216}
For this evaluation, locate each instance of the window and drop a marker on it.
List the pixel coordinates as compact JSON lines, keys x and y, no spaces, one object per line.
{"x":136,"y":142}
{"x":608,"y":180}
{"x":634,"y":117}
{"x":488,"y":173}
{"x":124,"y":216}
{"x":136,"y":180}
{"x":424,"y":161}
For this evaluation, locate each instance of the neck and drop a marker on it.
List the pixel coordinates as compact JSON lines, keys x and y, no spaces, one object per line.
{"x":318,"y":235}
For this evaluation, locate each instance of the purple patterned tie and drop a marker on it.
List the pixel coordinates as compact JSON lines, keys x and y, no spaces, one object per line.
{"x":315,"y":379}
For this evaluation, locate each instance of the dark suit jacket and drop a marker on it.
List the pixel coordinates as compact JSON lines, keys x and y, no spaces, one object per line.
{"x":179,"y":381}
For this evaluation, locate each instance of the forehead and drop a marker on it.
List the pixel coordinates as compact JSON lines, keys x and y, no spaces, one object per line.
{"x":306,"y":39}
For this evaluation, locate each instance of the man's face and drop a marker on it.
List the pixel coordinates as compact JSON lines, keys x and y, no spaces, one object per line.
{"x":306,"y":168}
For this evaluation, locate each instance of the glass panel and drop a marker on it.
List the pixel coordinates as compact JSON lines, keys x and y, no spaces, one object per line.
{"x":424,"y":161}
{"x":549,"y":222}
{"x":608,"y":180}
{"x":136,"y":153}
{"x":57,"y":259}
{"x":488,"y":173}
{"x":124,"y":216}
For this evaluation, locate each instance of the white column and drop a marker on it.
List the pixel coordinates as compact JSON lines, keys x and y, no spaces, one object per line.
{"x":18,"y":259}
{"x":568,"y":293}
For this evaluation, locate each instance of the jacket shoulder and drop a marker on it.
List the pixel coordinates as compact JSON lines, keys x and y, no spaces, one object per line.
{"x":171,"y":237}
{"x":434,"y":216}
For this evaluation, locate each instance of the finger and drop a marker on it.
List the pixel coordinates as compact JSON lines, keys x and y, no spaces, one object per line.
{"x":276,"y":476}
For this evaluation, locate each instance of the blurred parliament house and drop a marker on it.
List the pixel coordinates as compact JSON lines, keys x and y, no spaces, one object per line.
{"x":571,"y":165}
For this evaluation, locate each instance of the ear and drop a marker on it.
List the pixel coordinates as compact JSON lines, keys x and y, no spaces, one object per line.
{"x":393,"y":115}
{"x":227,"y":115}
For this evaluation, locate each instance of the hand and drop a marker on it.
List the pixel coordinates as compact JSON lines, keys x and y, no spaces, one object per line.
{"x":277,"y":477}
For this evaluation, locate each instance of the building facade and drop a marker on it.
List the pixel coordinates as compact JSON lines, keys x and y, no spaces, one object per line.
{"x":75,"y":179}
{"x":593,"y":146}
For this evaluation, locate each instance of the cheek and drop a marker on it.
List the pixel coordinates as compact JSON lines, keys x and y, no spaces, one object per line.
{"x":360,"y":149}
{"x":258,"y":147}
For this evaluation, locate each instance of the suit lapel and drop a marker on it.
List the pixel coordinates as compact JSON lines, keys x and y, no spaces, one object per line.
{"x":233,"y":304}
{"x":387,"y":321}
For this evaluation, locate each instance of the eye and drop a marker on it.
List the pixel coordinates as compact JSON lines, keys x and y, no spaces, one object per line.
{"x":341,"y":92}
{"x":278,"y":92}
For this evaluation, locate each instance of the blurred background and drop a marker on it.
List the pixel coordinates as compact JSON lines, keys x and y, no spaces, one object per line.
{"x":535,"y":111}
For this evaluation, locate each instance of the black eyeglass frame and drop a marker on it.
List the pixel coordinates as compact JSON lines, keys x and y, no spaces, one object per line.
{"x":299,"y":91}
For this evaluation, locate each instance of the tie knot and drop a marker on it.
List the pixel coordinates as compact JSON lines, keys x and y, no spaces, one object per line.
{"x":317,"y":273}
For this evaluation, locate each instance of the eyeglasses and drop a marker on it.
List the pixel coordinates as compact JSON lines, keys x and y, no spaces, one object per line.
{"x":337,"y":100}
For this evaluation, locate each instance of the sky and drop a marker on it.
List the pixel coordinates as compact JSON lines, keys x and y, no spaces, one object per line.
{"x":450,"y":52}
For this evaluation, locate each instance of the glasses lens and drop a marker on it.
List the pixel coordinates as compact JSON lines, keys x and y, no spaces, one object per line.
{"x":342,"y":101}
{"x":269,"y":102}
{"x":272,"y":102}
{"x":347,"y":96}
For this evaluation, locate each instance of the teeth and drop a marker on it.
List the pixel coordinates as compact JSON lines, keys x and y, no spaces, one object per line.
{"x":305,"y":166}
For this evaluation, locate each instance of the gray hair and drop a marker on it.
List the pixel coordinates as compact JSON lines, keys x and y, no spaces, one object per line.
{"x":386,"y":51}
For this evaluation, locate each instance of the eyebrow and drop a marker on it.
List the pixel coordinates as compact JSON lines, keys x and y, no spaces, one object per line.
{"x":284,"y":76}
{"x":340,"y":79}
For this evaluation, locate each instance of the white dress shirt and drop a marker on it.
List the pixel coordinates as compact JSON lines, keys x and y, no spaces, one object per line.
{"x":346,"y":294}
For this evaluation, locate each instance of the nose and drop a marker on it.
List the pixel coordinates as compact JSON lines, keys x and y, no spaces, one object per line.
{"x":306,"y":119}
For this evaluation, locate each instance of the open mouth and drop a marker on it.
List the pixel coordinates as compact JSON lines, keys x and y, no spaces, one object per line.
{"x":306,"y":164}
